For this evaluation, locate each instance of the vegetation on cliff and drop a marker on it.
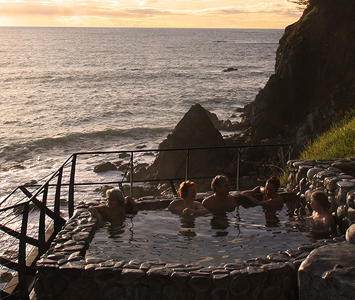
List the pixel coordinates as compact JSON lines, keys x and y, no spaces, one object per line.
{"x":314,"y":81}
{"x":338,"y":142}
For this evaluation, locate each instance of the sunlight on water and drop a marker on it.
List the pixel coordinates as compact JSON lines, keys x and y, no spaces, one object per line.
{"x":66,"y":90}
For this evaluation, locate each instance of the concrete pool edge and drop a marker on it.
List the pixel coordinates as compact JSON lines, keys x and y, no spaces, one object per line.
{"x":64,"y":272}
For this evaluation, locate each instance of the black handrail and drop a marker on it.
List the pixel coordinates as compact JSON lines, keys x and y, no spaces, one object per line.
{"x":56,"y":180}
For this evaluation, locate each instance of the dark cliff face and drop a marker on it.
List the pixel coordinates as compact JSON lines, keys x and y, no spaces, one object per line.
{"x":314,"y":81}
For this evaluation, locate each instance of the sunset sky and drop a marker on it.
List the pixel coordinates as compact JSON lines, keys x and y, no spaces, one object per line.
{"x":150,"y":13}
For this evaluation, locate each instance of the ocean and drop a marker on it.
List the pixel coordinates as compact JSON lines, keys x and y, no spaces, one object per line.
{"x":66,"y":90}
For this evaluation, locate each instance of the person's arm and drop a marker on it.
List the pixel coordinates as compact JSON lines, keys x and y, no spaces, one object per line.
{"x":198,"y":208}
{"x":94,"y":212}
{"x":278,"y":201}
{"x":257,"y":189}
{"x":131,"y":205}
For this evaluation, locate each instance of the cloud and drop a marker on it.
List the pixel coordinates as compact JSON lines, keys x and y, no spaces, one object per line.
{"x":168,"y":12}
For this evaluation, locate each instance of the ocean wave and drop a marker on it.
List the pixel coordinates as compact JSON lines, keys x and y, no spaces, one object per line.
{"x":76,"y":142}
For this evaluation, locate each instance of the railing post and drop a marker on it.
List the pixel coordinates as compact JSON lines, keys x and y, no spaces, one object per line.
{"x":42,"y":224}
{"x":58,"y":220}
{"x":71,"y":187}
{"x":22,"y":254}
{"x":131,"y":176}
{"x":187,"y":165}
{"x":238,"y":169}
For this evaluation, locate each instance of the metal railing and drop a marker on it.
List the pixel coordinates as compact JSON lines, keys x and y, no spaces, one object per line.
{"x":31,"y":216}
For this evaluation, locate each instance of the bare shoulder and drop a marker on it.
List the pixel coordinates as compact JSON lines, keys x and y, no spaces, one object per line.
{"x":208,"y":202}
{"x":175,"y":205}
{"x":100,"y":208}
{"x":230,"y":198}
{"x":209,"y":199}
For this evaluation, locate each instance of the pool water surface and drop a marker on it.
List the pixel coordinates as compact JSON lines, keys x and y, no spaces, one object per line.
{"x":160,"y":236}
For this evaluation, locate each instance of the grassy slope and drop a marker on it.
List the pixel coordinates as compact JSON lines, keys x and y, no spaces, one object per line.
{"x":338,"y":142}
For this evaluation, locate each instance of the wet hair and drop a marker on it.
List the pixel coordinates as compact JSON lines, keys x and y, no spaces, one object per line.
{"x":218,"y":181}
{"x":321,"y":198}
{"x":117,"y":195}
{"x":184,"y":186}
{"x":274,"y":181}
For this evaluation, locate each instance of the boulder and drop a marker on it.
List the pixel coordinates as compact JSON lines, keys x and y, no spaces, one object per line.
{"x":195,"y":129}
{"x":328,"y":273}
{"x":104,"y":167}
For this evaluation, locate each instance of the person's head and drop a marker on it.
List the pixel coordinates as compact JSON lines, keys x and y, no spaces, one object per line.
{"x":115,"y":198}
{"x":187,"y":188}
{"x":220,"y":184}
{"x":319,"y":199}
{"x":272,"y":186}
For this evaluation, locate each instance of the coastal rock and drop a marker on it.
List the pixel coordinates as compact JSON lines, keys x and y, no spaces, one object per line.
{"x":104,"y":167}
{"x":314,"y":83}
{"x":195,"y":129}
{"x":350,"y":234}
{"x":328,"y":273}
{"x":230,"y":69}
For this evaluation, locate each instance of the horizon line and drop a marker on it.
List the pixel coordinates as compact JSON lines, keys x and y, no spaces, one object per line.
{"x":136,"y":27}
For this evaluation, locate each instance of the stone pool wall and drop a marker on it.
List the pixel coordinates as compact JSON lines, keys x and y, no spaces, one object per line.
{"x":333,"y":176}
{"x":64,"y":272}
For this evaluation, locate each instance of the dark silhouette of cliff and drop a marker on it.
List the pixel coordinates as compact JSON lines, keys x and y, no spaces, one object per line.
{"x":314,"y":81}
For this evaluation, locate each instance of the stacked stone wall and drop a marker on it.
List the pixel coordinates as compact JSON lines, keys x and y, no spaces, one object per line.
{"x":333,"y":176}
{"x":65,"y":273}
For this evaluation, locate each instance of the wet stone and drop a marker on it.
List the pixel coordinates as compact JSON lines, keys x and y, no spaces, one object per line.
{"x":199,"y":273}
{"x":74,"y":248}
{"x":257,"y":275}
{"x":169,"y":292}
{"x":278,"y":257}
{"x":239,"y":285}
{"x":62,"y":261}
{"x":254,"y":263}
{"x":55,"y":257}
{"x":271,"y":291}
{"x":132,"y":273}
{"x":173,"y":266}
{"x":306,"y":248}
{"x":82,"y":236}
{"x":69,"y":242}
{"x":263,"y":260}
{"x":108,"y":263}
{"x":180,"y":277}
{"x":54,"y":285}
{"x":293,"y":252}
{"x":131,"y":266}
{"x":75,"y":256}
{"x":90,"y":269}
{"x":221,"y":279}
{"x":93,"y":260}
{"x":161,"y":272}
{"x":277,"y":268}
{"x":220,"y":294}
{"x":200,"y":284}
{"x":220,"y":271}
{"x":145,"y":266}
{"x":119,"y":264}
{"x":47,"y":261}
{"x":236,"y":266}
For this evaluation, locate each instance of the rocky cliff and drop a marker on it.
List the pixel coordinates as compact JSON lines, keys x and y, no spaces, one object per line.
{"x":314,"y":81}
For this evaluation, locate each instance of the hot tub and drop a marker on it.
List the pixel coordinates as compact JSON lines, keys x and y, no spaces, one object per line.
{"x":157,"y":255}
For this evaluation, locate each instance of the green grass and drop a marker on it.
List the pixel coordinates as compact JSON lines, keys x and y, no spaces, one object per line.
{"x":337,"y":142}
